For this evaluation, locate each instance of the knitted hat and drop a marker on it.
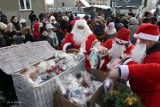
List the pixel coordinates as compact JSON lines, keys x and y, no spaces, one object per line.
{"x":98,"y":30}
{"x":2,"y":26}
{"x":49,"y":26}
{"x":18,"y":39}
{"x":148,"y":31}
{"x":123,"y":35}
{"x":52,"y":17}
{"x":66,"y":18}
{"x":111,"y":24}
{"x":134,"y":21}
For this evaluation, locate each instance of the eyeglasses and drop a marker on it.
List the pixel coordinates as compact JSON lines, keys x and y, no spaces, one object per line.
{"x":118,"y":42}
{"x":80,"y":27}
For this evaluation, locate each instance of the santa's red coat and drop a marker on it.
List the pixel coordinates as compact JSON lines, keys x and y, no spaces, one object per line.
{"x":145,"y":81}
{"x":108,"y":45}
{"x":88,"y":45}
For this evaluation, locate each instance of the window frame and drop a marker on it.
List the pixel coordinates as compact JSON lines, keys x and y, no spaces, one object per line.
{"x":25,"y":6}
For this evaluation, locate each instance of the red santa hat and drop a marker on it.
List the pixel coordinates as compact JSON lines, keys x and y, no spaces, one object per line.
{"x":80,"y":22}
{"x":123,"y":35}
{"x":148,"y":31}
{"x":73,"y":21}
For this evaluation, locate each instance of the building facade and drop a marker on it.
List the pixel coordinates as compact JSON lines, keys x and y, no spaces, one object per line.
{"x":65,"y":3}
{"x":98,"y":2}
{"x":71,"y":3}
{"x":21,"y":8}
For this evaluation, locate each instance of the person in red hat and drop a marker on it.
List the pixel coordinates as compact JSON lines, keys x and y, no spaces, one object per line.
{"x":143,"y":66}
{"x":117,"y":47}
{"x":80,"y":38}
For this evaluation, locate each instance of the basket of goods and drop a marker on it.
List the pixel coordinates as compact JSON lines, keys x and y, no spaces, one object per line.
{"x":82,"y":89}
{"x":34,"y":67}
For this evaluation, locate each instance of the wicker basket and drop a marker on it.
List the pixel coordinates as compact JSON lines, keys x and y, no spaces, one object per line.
{"x":42,"y":95}
{"x":29,"y":95}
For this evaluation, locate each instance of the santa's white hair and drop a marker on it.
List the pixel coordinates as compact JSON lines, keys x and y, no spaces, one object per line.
{"x":139,"y":52}
{"x":117,"y":50}
{"x":79,"y":36}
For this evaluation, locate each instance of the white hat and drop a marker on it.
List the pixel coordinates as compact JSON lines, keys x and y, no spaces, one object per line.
{"x":111,"y":24}
{"x":66,"y":18}
{"x":2,"y":26}
{"x":52,"y":17}
{"x":49,"y":26}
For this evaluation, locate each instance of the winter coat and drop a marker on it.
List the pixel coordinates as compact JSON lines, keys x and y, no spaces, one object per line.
{"x":88,"y":45}
{"x":149,"y":88}
{"x":46,"y":38}
{"x":2,"y":41}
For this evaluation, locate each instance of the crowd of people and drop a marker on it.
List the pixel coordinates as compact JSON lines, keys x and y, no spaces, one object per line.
{"x":128,"y":47}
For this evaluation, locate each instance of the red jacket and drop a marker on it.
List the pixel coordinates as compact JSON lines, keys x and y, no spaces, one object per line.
{"x":142,"y":79}
{"x":88,"y":45}
{"x":36,"y":32}
{"x":108,"y":45}
{"x":146,"y":82}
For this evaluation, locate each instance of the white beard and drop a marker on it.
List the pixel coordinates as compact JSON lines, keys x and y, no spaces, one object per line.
{"x":138,"y":53}
{"x":79,"y":37}
{"x":116,"y":51}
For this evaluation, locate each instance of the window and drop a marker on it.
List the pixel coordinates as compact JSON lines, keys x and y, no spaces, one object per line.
{"x":63,"y":4}
{"x":25,"y":5}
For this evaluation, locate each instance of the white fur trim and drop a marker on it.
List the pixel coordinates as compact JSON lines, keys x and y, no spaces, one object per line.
{"x":123,"y":41}
{"x":148,"y":37}
{"x":135,"y":35}
{"x":65,"y":46}
{"x":128,"y":60}
{"x":101,"y":62}
{"x":124,"y":71}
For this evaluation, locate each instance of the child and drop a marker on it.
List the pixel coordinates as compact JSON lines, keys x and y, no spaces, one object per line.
{"x":52,"y":35}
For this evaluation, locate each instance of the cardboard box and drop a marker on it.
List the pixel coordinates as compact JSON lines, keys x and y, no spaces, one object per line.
{"x":60,"y":101}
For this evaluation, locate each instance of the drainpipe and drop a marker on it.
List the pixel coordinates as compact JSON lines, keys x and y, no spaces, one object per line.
{"x":44,"y":6}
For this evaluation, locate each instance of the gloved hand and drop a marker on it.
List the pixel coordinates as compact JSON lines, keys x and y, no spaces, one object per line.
{"x":100,"y":50}
{"x":79,"y":56}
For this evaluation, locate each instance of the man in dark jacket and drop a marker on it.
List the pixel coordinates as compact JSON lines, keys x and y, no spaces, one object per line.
{"x":32,"y":18}
{"x":3,"y":18}
{"x":3,"y":29}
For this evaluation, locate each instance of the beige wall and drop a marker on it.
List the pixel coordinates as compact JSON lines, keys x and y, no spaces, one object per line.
{"x":11,"y":8}
{"x":68,"y":3}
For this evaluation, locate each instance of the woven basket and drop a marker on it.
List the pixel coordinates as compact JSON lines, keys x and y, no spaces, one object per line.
{"x":15,"y":58}
{"x":42,"y":95}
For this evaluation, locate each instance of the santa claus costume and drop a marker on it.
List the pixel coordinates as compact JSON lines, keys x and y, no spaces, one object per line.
{"x":144,"y":79}
{"x":81,"y":39}
{"x":116,"y":47}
